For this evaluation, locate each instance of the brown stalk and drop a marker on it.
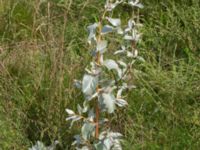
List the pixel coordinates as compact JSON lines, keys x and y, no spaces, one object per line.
{"x":98,"y":63}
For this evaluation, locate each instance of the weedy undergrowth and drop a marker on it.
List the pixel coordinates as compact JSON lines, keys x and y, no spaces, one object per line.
{"x":106,"y":79}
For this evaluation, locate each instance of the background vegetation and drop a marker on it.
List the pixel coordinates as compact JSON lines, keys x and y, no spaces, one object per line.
{"x":43,"y":48}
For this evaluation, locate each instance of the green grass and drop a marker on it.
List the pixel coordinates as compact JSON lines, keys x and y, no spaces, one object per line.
{"x":43,"y":48}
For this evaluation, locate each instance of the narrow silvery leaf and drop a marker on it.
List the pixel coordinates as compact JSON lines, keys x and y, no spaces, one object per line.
{"x":70,"y":118}
{"x":121,"y":102}
{"x":89,"y":84}
{"x":78,"y":140}
{"x":133,"y":37}
{"x":93,"y":96}
{"x":106,"y":29}
{"x":141,"y":59}
{"x":91,"y":115}
{"x":85,"y":106}
{"x":87,"y":130}
{"x":111,"y":64}
{"x":115,"y":135}
{"x":119,"y":30}
{"x":119,"y":93}
{"x":135,"y":53}
{"x":128,"y":37}
{"x":80,"y":109}
{"x":122,"y":63}
{"x":129,"y":54}
{"x":101,"y":59}
{"x":121,"y":50}
{"x":102,"y":45}
{"x":92,"y":32}
{"x":135,"y":3}
{"x":114,"y":21}
{"x":70,"y":112}
{"x":139,"y":5}
{"x":131,"y":23}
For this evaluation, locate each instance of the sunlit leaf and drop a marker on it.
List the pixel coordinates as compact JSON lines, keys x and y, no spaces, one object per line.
{"x":114,"y":21}
{"x":111,"y":64}
{"x":70,"y":112}
{"x":121,"y":102}
{"x":89,"y":84}
{"x":108,"y":100}
{"x":102,"y":45}
{"x":87,"y":130}
{"x":106,"y":29}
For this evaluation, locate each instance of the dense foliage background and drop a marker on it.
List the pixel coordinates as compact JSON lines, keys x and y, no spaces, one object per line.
{"x":43,"y":49}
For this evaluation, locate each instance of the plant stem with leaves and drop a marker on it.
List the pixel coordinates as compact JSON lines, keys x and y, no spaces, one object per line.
{"x":104,"y":83}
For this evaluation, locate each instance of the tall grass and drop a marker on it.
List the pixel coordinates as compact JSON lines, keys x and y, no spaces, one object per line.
{"x":43,"y":48}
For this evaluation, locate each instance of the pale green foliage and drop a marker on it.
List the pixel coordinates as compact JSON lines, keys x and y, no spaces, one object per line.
{"x":97,"y":84}
{"x":40,"y":146}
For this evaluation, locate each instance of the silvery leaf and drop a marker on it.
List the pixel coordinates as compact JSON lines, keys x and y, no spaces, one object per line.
{"x":133,"y":37}
{"x":121,"y":102}
{"x":139,"y":5}
{"x":92,"y":97}
{"x":87,"y":130}
{"x":108,"y":100}
{"x":91,"y":115}
{"x":117,"y":145}
{"x":141,"y":59}
{"x":80,"y":109}
{"x":115,"y":135}
{"x":106,"y":29}
{"x":122,"y":63}
{"x":128,"y":37}
{"x":119,"y":30}
{"x":119,"y":93}
{"x":70,"y":118}
{"x":135,"y":53}
{"x":114,"y":21}
{"x":101,"y":46}
{"x":130,"y":25}
{"x":70,"y":112}
{"x":135,"y":3}
{"x":121,"y":50}
{"x":111,"y":64}
{"x":78,"y":140}
{"x":85,"y":106}
{"x":108,"y":143}
{"x":89,"y":84}
{"x":129,"y":54}
{"x":92,"y":32}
